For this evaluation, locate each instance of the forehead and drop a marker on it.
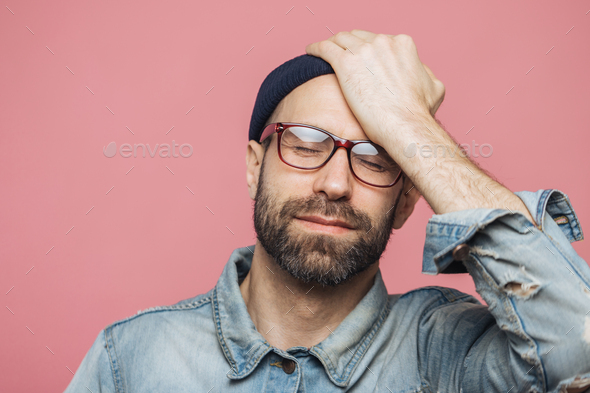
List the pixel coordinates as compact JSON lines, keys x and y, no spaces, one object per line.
{"x":319,"y":102}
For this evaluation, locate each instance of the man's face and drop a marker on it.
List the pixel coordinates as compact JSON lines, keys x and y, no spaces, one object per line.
{"x":310,"y":251}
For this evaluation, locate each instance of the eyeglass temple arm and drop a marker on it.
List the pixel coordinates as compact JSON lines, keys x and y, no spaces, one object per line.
{"x":268,"y":130}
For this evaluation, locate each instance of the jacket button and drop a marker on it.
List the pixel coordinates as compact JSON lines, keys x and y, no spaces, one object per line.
{"x":288,"y":366}
{"x":461,"y":252}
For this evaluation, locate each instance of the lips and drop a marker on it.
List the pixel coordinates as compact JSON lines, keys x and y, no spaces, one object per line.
{"x":326,"y":221}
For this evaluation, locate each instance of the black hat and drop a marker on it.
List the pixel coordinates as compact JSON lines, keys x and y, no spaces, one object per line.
{"x":280,"y":82}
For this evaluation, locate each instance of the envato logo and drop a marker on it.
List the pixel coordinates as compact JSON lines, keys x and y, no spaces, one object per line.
{"x":164,"y":151}
{"x":463,"y":150}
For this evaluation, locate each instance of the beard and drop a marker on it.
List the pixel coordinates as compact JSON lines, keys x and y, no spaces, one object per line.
{"x":312,"y":257}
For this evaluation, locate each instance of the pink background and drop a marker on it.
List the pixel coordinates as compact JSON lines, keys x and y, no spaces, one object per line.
{"x":150,"y":241}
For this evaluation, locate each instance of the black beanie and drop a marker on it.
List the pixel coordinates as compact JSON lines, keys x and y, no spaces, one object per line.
{"x":280,"y":82}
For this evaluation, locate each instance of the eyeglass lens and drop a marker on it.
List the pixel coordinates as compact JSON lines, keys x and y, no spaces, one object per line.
{"x":309,"y":148}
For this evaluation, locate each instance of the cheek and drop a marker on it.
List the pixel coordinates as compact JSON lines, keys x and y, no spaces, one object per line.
{"x":375,"y":202}
{"x":285,"y":181}
{"x":280,"y":183}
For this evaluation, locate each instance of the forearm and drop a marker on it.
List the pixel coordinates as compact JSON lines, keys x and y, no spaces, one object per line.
{"x":446,"y":177}
{"x":536,"y":287}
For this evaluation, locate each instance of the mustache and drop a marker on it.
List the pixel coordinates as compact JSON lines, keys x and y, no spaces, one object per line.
{"x":315,"y":204}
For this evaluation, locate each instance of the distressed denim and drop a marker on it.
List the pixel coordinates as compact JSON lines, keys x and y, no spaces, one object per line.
{"x":534,"y":335}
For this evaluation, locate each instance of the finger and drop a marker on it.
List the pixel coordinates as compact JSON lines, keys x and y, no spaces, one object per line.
{"x":346,"y":40}
{"x":364,"y":34}
{"x":327,"y":50}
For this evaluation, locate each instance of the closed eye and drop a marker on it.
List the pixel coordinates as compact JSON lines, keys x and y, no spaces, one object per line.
{"x":305,"y":150}
{"x":373,"y":165}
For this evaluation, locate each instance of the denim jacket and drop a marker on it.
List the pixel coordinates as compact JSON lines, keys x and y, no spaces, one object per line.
{"x":534,"y":335}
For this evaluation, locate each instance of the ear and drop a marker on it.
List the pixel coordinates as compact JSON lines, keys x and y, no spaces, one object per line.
{"x":408,"y":199}
{"x":254,"y":157}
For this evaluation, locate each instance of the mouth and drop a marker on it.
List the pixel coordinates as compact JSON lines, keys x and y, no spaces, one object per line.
{"x":325,"y":224}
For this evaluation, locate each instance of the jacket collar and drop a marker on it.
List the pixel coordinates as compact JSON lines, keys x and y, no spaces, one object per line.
{"x":244,"y":347}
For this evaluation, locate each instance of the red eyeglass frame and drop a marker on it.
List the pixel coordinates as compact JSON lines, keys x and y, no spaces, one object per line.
{"x":279,"y":128}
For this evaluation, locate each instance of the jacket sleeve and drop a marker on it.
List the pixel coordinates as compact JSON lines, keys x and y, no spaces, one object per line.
{"x":94,"y":373}
{"x":534,"y":335}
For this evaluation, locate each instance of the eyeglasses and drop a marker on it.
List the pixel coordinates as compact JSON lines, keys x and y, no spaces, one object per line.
{"x":307,"y":147}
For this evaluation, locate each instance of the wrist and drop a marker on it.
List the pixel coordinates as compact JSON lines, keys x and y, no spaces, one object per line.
{"x":441,"y":171}
{"x":407,"y":139}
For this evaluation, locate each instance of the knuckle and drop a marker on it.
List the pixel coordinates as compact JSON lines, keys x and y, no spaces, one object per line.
{"x":341,"y":34}
{"x":323,"y":45}
{"x":365,"y":47}
{"x":404,"y":38}
{"x":382,"y":38}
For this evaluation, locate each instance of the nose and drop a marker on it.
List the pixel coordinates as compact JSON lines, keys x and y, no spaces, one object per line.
{"x":335,"y":178}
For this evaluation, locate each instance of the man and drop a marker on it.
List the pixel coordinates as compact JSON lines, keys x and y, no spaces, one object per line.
{"x":306,"y":310}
